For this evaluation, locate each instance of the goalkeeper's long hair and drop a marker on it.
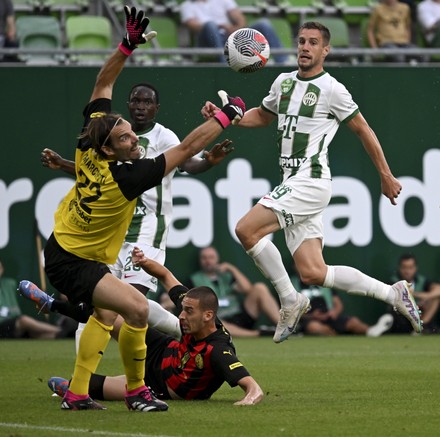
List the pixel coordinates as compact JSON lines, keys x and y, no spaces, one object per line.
{"x":97,"y":132}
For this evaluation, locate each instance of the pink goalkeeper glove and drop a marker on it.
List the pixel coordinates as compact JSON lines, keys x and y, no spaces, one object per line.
{"x":135,"y":24}
{"x":232,"y":111}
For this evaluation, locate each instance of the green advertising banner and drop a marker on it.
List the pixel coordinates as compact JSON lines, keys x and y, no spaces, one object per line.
{"x":42,"y":107}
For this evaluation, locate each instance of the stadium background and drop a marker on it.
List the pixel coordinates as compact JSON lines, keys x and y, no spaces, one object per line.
{"x":41,"y":107}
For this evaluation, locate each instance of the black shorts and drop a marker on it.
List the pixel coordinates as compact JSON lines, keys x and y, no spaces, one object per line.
{"x":7,"y":328}
{"x":71,"y":275}
{"x":242,"y":319}
{"x":156,"y":343}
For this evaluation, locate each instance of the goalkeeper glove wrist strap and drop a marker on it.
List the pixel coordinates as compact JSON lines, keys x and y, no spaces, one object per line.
{"x":223,"y":119}
{"x":124,"y":49}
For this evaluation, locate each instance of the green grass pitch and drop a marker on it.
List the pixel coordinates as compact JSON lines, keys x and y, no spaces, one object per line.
{"x":343,"y":386}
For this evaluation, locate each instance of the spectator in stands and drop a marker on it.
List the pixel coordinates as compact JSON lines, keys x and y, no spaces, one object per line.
{"x":239,"y":316}
{"x":426,"y":292}
{"x":327,"y":317}
{"x":390,"y":27}
{"x":14,"y":324}
{"x":212,"y":21}
{"x":428,"y":15}
{"x":8,"y":37}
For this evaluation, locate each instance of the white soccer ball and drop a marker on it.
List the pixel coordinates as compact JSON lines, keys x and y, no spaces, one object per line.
{"x":247,"y":50}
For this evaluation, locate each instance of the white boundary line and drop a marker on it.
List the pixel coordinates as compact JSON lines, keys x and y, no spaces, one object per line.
{"x":76,"y":430}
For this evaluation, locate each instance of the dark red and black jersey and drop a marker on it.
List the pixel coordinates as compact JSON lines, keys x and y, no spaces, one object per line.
{"x":196,"y":369}
{"x":193,"y":369}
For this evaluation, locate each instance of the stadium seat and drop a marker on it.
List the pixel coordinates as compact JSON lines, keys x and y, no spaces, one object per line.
{"x":167,"y":38}
{"x":354,"y":11}
{"x":338,"y":30}
{"x":296,"y":10}
{"x":63,"y":9}
{"x":88,"y":32}
{"x":39,"y":32}
{"x":283,"y":30}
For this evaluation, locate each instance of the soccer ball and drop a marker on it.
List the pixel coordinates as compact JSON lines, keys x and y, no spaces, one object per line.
{"x":247,"y":50}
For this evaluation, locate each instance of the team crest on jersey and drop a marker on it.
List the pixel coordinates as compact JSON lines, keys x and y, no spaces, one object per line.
{"x":286,"y":85}
{"x":199,"y":362}
{"x":310,"y":99}
{"x":143,"y":145}
{"x":184,"y":359}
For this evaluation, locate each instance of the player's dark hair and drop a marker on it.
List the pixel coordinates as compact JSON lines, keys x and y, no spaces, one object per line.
{"x":407,"y":257}
{"x":98,"y":131}
{"x":145,"y":85}
{"x":206,"y":296}
{"x":325,"y":32}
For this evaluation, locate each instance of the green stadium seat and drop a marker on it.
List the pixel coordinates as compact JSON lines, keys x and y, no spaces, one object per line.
{"x":88,"y":32}
{"x":354,"y":11}
{"x":167,"y":38}
{"x":338,"y":30}
{"x":284,"y":31}
{"x":39,"y":32}
{"x":297,"y":10}
{"x":63,"y":9}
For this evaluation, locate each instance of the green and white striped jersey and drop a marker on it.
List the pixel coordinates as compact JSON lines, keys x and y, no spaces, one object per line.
{"x":309,"y":113}
{"x":154,"y":208}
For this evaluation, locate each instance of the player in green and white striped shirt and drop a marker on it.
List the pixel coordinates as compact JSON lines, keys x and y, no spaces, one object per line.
{"x":310,"y":105}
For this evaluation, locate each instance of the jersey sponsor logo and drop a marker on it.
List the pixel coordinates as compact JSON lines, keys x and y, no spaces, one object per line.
{"x":235,"y":365}
{"x":289,"y":126}
{"x":310,"y":98}
{"x":199,"y":362}
{"x":227,"y":353}
{"x":129,"y":276}
{"x":289,"y":162}
{"x":286,"y":85}
{"x":140,"y":210}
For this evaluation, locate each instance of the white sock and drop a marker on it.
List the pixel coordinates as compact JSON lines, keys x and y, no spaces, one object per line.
{"x":268,"y":259}
{"x":355,"y":282}
{"x":163,"y":320}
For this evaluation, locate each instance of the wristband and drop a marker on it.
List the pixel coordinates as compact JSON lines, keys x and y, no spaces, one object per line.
{"x":124,"y":49}
{"x":223,"y":119}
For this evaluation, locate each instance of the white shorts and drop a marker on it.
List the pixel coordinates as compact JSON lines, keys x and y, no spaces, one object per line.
{"x":126,"y":272}
{"x":298,"y":205}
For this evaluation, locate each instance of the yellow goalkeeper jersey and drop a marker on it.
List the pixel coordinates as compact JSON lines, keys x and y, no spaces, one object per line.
{"x":93,"y":218}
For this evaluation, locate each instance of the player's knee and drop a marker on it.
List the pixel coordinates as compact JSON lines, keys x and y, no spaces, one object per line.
{"x":312,"y":276}
{"x":138,"y":313}
{"x":240,"y":231}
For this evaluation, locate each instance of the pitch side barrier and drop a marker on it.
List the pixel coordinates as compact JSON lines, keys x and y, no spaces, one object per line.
{"x":42,"y":107}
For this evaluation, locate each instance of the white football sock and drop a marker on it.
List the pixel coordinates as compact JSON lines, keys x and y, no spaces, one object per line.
{"x":268,"y":259}
{"x":355,"y":282}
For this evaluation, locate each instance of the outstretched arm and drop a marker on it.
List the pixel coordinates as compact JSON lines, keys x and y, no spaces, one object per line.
{"x":231,"y":113}
{"x":53,"y":160}
{"x":215,"y":156}
{"x":153,"y":268}
{"x":254,"y":117}
{"x":135,"y":25}
{"x":253,"y":391}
